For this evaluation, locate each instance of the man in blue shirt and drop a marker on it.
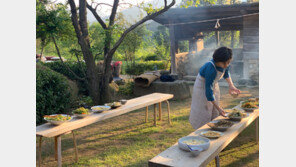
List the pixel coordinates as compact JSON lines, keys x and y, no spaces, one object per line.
{"x":206,"y":93}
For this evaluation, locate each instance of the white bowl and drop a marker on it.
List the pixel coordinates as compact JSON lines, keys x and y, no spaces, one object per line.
{"x":195,"y":150}
{"x":104,"y":108}
{"x":57,"y":122}
{"x":184,"y":146}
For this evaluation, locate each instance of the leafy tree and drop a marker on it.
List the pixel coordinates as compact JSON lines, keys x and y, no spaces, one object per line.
{"x":162,"y":41}
{"x":52,"y":23}
{"x":98,"y":84}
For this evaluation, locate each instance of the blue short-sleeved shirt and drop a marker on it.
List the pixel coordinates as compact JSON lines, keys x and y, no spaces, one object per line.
{"x":209,"y":72}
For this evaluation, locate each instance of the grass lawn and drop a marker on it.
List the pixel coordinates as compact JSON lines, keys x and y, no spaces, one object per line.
{"x":127,"y":140}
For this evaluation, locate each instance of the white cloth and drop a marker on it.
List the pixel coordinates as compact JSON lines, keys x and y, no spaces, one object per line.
{"x":202,"y":110}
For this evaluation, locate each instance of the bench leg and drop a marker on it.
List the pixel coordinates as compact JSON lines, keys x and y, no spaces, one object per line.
{"x":217,"y":160}
{"x":59,"y":150}
{"x":39,"y":151}
{"x":75,"y":147}
{"x":55,"y":148}
{"x":168,"y":111}
{"x":159,"y":110}
{"x":257,"y":130}
{"x":154,"y":114}
{"x":146,"y":115}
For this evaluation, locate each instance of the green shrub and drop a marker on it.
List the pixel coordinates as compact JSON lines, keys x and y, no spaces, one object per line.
{"x":76,"y":68}
{"x":54,"y":93}
{"x":141,"y":66}
{"x":126,"y":89}
{"x":151,"y":56}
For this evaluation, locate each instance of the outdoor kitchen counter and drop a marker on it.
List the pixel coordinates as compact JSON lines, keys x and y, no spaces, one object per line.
{"x":173,"y":156}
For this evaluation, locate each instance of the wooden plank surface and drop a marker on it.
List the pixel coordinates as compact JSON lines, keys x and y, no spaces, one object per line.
{"x":48,"y":130}
{"x":173,"y":156}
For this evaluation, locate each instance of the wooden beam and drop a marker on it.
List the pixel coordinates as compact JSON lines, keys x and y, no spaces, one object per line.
{"x":173,"y":49}
{"x":217,"y":38}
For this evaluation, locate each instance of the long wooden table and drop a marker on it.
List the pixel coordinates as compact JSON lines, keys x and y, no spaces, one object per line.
{"x":48,"y":130}
{"x":173,"y":156}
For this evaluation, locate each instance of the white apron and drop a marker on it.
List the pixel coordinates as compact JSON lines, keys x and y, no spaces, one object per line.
{"x":202,"y":110}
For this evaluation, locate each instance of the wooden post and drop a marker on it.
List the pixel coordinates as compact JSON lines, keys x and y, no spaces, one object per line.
{"x":257,"y":130}
{"x":159,"y":110}
{"x":169,"y":112}
{"x":146,"y":115}
{"x":173,"y":49}
{"x":241,"y":38}
{"x":154,"y":114}
{"x":217,"y":38}
{"x":232,"y":39}
{"x":59,"y":150}
{"x":176,"y":47}
{"x":217,"y":160}
{"x":39,"y":150}
{"x":55,"y":148}
{"x":75,"y":147}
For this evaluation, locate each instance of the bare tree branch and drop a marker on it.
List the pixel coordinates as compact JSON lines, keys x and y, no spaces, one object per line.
{"x":58,"y":51}
{"x":113,"y":13}
{"x":96,"y":15}
{"x":74,"y":18}
{"x":146,"y":18}
{"x":82,"y":18}
{"x":165,"y":3}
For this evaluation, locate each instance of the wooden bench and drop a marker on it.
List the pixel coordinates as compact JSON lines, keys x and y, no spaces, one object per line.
{"x":173,"y":156}
{"x":48,"y":130}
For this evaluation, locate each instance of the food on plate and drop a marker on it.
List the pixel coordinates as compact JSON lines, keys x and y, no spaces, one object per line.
{"x":249,"y":105}
{"x":236,"y":113}
{"x":58,"y":117}
{"x":116,"y":104}
{"x":81,"y":110}
{"x":223,"y":123}
{"x":252,"y":99}
{"x":113,"y":105}
{"x":194,"y":142}
{"x":211,"y":134}
{"x":98,"y":108}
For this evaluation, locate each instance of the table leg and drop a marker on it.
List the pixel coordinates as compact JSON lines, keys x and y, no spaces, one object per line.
{"x":257,"y":130}
{"x":146,"y":115}
{"x":159,"y":110}
{"x":39,"y":150}
{"x":55,"y":148}
{"x":59,"y":150}
{"x":217,"y":160}
{"x":169,"y":112}
{"x":154,"y":114}
{"x":75,"y":147}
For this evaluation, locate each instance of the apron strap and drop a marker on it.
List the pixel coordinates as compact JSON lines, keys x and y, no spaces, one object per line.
{"x":216,"y":68}
{"x":213,"y":65}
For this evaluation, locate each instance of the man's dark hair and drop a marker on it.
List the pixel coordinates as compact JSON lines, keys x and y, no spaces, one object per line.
{"x":222,"y":54}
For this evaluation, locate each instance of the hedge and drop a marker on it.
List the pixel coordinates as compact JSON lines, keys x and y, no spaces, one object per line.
{"x":140,"y":67}
{"x":76,"y":68}
{"x":55,"y":93}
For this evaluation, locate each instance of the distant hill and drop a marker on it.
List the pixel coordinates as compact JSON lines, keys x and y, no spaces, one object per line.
{"x":134,"y":14}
